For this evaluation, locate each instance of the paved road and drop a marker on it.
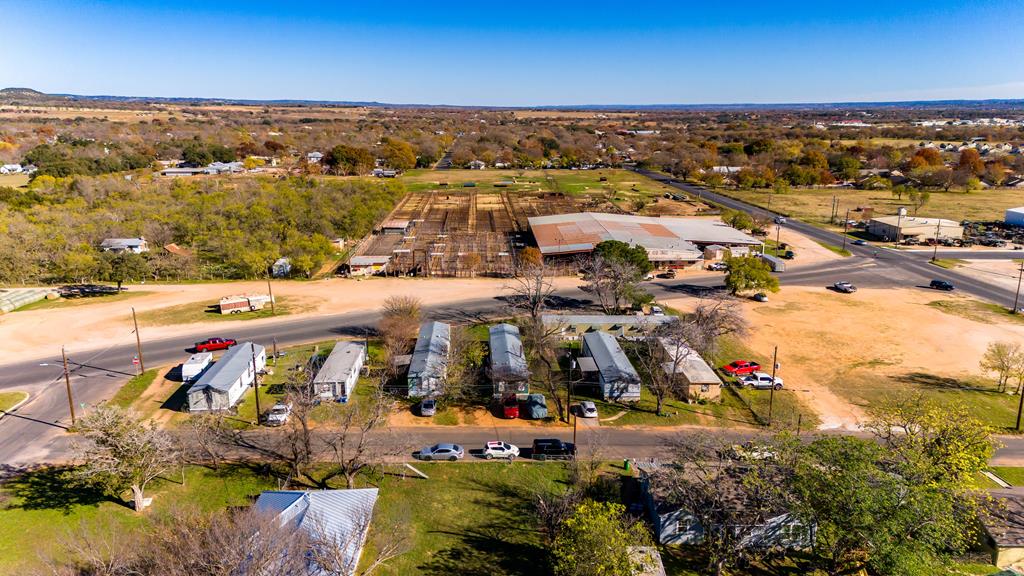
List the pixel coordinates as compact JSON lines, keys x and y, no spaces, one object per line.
{"x":898,"y":264}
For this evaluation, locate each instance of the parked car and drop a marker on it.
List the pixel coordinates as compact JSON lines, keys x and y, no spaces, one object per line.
{"x":844,"y":287}
{"x":444,"y":451}
{"x":510,"y":406}
{"x":718,"y":266}
{"x":668,"y":275}
{"x":741,"y":367}
{"x":279,"y":414}
{"x":941,"y":285}
{"x":211,"y":344}
{"x":750,"y":451}
{"x":657,"y":311}
{"x":428,"y":407}
{"x":553,"y":448}
{"x":788,"y":255}
{"x":779,"y":220}
{"x":586,"y":409}
{"x":499,"y":449}
{"x":761,"y":381}
{"x":860,"y":242}
{"x":760,"y":297}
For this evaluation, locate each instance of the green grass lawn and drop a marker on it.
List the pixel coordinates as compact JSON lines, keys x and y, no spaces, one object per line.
{"x":976,"y":310}
{"x":837,"y":249}
{"x":130,"y":392}
{"x":1013,"y":475}
{"x":947,"y":263}
{"x":9,"y":399}
{"x":40,"y":509}
{"x":198,"y":312}
{"x":74,"y":302}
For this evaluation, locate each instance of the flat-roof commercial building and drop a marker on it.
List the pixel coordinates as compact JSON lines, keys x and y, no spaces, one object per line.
{"x":339,"y":373}
{"x":429,"y":364}
{"x":616,"y":377}
{"x":887,"y":227}
{"x":509,"y":371}
{"x":222,"y":385}
{"x":670,"y":242}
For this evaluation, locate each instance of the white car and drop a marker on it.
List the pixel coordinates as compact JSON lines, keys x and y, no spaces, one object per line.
{"x":279,"y":414}
{"x":586,"y":409}
{"x":499,"y":449}
{"x":657,"y":311}
{"x":761,"y":381}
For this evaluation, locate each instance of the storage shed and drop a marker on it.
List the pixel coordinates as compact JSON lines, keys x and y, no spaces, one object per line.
{"x":696,"y":378}
{"x":508,"y":369}
{"x":340,"y":371}
{"x":429,"y":363}
{"x":194,"y":366}
{"x":222,"y":384}
{"x":616,"y":377}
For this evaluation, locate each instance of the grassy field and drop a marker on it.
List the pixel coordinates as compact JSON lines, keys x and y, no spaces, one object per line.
{"x":947,"y":263}
{"x":191,"y":313}
{"x":977,"y":310}
{"x":9,"y":399}
{"x":75,"y":302}
{"x":1013,"y":475}
{"x":814,"y":205}
{"x":13,"y":180}
{"x":134,"y":388}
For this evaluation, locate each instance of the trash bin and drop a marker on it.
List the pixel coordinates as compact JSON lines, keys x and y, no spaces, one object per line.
{"x":625,"y":464}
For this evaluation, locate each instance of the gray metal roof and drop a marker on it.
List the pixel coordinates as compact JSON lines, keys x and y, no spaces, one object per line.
{"x":430,"y":357}
{"x":611,"y":360}
{"x":601,"y":319}
{"x":508,"y":359}
{"x":681,"y":359}
{"x":342,"y":361}
{"x":199,"y":358}
{"x":226,"y":371}
{"x":342,"y":515}
{"x":122,"y":243}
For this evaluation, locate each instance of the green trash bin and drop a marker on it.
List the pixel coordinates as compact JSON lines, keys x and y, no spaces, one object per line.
{"x":625,"y":464}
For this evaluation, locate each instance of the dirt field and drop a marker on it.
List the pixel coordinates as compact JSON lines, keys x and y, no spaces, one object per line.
{"x":13,"y":180}
{"x":845,"y":353}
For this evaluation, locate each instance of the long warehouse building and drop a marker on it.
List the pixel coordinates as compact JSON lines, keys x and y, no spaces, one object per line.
{"x":670,"y":242}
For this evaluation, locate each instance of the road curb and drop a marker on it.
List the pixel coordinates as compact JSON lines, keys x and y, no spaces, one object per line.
{"x":4,"y":413}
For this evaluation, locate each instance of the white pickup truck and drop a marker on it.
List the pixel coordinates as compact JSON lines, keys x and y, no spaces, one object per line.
{"x":761,"y":381}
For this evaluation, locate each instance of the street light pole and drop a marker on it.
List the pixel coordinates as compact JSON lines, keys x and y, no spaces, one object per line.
{"x":938,"y":234}
{"x":1016,"y":297}
{"x":273,"y":311}
{"x":67,"y":384}
{"x":771,"y":394}
{"x":846,"y":227}
{"x":138,"y":342}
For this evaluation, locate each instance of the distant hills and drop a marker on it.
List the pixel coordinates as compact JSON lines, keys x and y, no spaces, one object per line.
{"x":30,"y":96}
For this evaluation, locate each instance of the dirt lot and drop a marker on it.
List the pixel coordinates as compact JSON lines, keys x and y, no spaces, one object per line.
{"x":844,"y":353}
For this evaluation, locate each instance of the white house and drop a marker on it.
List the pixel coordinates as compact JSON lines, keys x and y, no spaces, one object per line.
{"x":314,"y":157}
{"x":11,"y":169}
{"x":340,"y":371}
{"x":118,"y":245}
{"x":222,"y":385}
{"x":616,"y":377}
{"x":194,"y":366}
{"x":429,"y":364}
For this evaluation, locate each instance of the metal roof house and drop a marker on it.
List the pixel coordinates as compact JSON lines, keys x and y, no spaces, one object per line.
{"x":339,"y":373}
{"x":888,"y":227}
{"x":222,"y":385}
{"x":429,"y":363}
{"x":342,"y":516}
{"x":117,"y":245}
{"x":616,"y":377}
{"x":628,"y":326}
{"x":508,"y":370}
{"x":685,"y":365}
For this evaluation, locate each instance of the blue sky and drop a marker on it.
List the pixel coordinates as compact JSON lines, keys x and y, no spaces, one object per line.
{"x":523,"y":53}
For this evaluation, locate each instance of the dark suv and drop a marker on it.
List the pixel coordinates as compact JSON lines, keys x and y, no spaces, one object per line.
{"x":552,"y":448}
{"x":941,"y":285}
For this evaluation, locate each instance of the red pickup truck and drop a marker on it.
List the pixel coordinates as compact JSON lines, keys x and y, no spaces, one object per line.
{"x":741,"y":367}
{"x":211,"y":344}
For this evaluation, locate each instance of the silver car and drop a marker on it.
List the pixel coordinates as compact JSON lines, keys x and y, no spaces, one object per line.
{"x":428,"y":407}
{"x":586,"y":409}
{"x":450,"y":452}
{"x":279,"y":414}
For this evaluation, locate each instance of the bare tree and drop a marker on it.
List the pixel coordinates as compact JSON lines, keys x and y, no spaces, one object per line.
{"x":123,"y":452}
{"x":208,"y":438}
{"x":730,"y":496}
{"x":709,"y":322}
{"x":531,"y":286}
{"x":1003,"y":358}
{"x":662,"y":351}
{"x":465,"y":364}
{"x":400,"y":318}
{"x":541,"y":341}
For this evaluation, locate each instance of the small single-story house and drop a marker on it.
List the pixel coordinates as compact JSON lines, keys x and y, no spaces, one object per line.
{"x":314,"y":157}
{"x":118,"y":245}
{"x":225,"y":168}
{"x":1003,"y":523}
{"x":697,"y":379}
{"x":11,"y":169}
{"x":628,"y":326}
{"x":343,"y":516}
{"x":222,"y":384}
{"x":339,"y":373}
{"x":194,"y":366}
{"x":887,"y":228}
{"x":509,"y":371}
{"x":368,"y":265}
{"x":616,"y":377}
{"x":477,"y":165}
{"x":673,"y":524}
{"x":429,"y":364}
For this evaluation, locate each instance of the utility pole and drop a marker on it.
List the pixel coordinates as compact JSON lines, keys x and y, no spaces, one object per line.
{"x":255,"y":382}
{"x":568,"y":396}
{"x":846,"y":227}
{"x":778,"y":237}
{"x":771,"y":394}
{"x":1016,"y":296}
{"x":935,"y":248}
{"x":1020,"y":408}
{"x":275,"y":350}
{"x":138,"y":342}
{"x":273,"y":311}
{"x":71,"y":400}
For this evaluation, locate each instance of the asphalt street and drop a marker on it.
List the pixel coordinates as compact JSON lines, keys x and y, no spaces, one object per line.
{"x":35,"y":431}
